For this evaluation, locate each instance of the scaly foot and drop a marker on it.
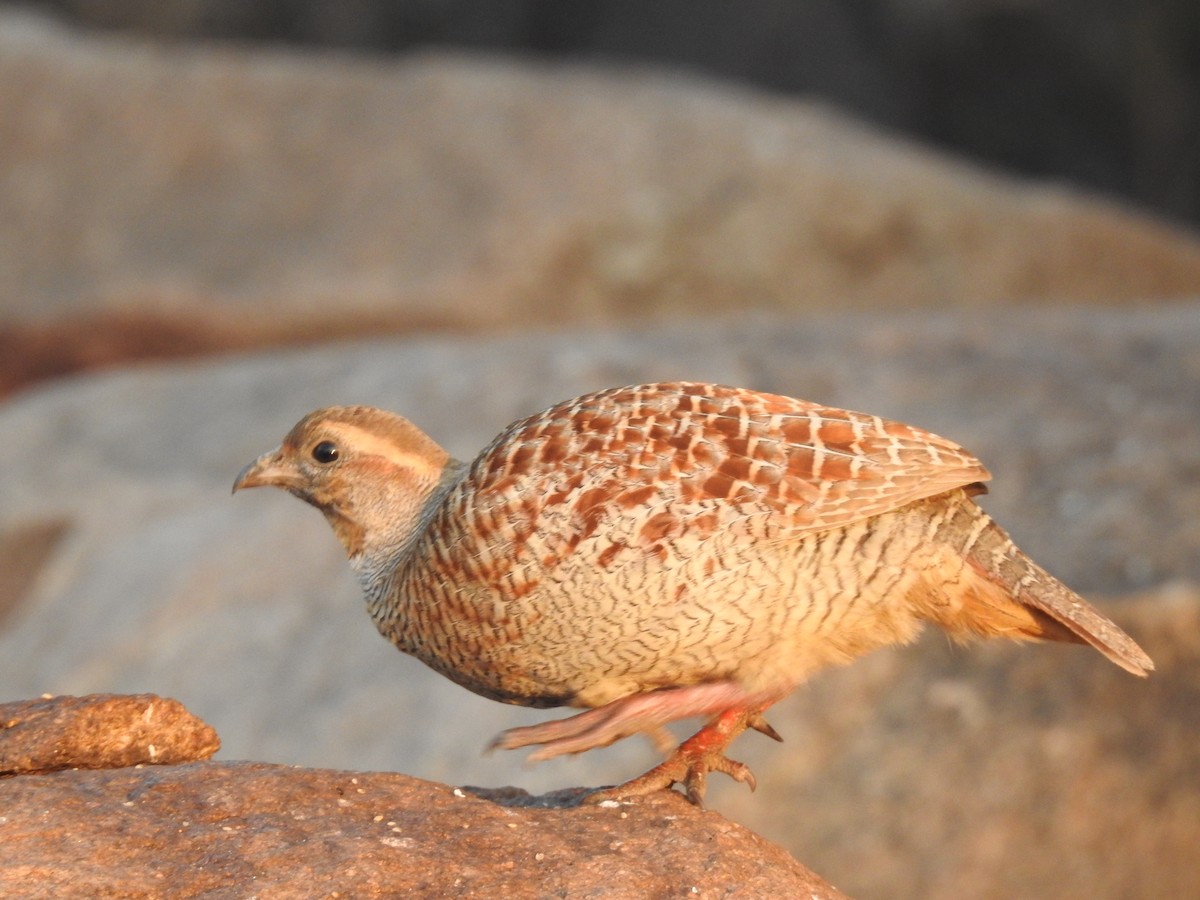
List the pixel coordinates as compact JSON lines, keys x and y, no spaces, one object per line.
{"x":691,"y":762}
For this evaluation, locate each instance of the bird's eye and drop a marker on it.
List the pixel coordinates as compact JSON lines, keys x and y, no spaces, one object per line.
{"x":325,"y":452}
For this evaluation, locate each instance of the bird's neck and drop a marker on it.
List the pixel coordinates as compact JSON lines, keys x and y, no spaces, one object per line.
{"x":385,"y":555}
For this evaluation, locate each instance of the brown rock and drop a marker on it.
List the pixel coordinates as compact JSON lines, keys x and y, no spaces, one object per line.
{"x":241,"y":829}
{"x":100,"y":731}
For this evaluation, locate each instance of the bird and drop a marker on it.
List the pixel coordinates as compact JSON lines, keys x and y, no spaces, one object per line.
{"x":665,"y":551}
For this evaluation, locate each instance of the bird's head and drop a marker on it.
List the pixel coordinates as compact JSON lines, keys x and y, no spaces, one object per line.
{"x":370,"y":472}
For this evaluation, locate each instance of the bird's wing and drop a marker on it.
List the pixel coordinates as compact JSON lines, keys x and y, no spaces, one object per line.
{"x":689,"y":448}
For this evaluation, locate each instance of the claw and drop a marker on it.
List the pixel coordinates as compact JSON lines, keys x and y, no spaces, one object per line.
{"x":739,"y":772}
{"x":759,"y":724}
{"x":695,"y":786}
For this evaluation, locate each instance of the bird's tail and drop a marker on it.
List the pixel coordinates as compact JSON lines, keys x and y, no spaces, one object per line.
{"x":1004,"y":593}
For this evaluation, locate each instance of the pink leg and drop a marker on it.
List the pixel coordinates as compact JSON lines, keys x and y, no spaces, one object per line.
{"x":734,"y":708}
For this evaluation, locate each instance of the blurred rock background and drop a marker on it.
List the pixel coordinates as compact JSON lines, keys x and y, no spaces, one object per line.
{"x":613,"y":193}
{"x":1103,"y":94}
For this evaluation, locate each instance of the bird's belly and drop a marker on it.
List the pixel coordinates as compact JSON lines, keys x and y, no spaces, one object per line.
{"x":764,"y":613}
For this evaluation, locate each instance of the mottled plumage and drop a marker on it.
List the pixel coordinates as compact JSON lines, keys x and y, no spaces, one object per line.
{"x":667,"y":550}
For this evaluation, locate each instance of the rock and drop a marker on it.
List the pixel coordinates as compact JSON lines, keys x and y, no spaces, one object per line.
{"x":280,"y":831}
{"x":192,"y":198}
{"x":252,"y":829}
{"x":955,"y":770}
{"x":101,"y":731}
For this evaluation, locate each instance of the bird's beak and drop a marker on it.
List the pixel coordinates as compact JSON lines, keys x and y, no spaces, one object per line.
{"x":268,"y":469}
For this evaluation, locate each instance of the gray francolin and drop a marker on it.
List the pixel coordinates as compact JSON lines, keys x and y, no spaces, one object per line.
{"x":662,"y":551}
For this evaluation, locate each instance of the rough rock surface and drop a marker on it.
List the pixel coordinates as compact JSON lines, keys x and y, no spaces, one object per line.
{"x":261,"y":195}
{"x":952,"y":770}
{"x":100,"y":731}
{"x":252,"y":829}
